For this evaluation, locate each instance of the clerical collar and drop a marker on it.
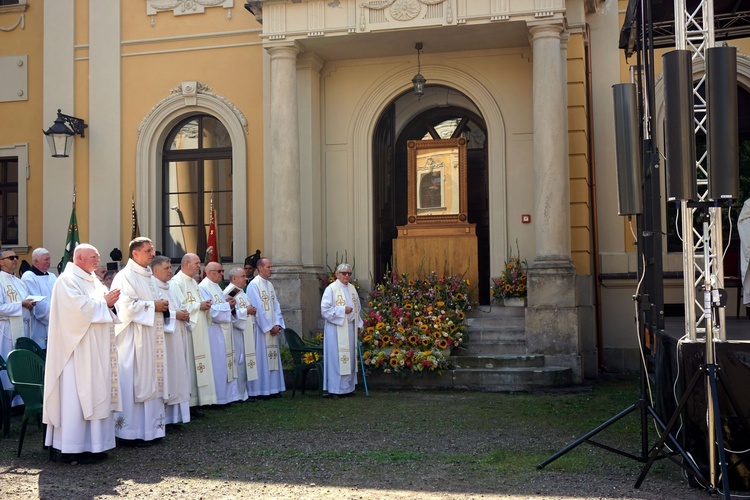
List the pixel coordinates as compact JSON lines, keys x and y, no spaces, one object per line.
{"x":37,"y":271}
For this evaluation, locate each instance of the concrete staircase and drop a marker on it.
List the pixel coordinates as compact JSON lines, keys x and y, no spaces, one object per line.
{"x":496,"y":359}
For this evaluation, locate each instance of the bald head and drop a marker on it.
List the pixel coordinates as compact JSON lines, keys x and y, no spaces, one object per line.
{"x":86,"y":257}
{"x":214,"y":272}
{"x":190,"y":264}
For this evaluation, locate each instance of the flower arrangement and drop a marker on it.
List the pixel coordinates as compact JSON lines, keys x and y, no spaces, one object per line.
{"x":513,"y":281}
{"x":413,"y":323}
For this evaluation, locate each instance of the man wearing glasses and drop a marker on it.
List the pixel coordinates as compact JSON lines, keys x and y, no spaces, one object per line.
{"x":14,"y":309}
{"x":220,"y":335}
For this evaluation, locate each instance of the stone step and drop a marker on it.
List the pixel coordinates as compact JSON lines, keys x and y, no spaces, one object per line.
{"x":495,"y":335}
{"x":494,"y":347}
{"x":511,"y":379}
{"x":502,"y":361}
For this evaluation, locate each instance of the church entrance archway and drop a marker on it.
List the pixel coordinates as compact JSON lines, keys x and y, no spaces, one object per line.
{"x":448,"y":120}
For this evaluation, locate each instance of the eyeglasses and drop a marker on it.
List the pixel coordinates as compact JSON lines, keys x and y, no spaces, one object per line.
{"x":12,"y":257}
{"x":345,"y":273}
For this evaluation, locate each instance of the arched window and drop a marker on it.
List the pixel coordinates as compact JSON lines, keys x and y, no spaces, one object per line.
{"x":197,"y":174}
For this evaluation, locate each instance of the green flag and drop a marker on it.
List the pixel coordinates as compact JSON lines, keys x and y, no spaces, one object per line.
{"x":71,"y":241}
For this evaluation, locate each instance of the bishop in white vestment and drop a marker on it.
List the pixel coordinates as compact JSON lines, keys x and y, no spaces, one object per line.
{"x":185,"y":289}
{"x":243,"y":323}
{"x":175,"y":337}
{"x":220,"y":335}
{"x":81,"y":387}
{"x":269,"y":324}
{"x":140,"y":348}
{"x":39,"y":282}
{"x":340,"y":308}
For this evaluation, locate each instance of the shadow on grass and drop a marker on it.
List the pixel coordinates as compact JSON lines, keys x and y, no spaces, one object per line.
{"x":455,"y":443}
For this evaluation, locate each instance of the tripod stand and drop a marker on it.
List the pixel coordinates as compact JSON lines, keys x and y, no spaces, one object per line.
{"x":708,"y":372}
{"x":645,"y":409}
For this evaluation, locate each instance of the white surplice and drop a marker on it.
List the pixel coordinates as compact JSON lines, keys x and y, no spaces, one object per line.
{"x":14,"y":320}
{"x":39,"y":285}
{"x":221,"y":342}
{"x":270,"y":373}
{"x":81,"y":387}
{"x":178,"y":360}
{"x":336,"y":298}
{"x":141,"y":357}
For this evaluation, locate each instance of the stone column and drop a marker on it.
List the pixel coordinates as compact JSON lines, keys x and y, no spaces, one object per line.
{"x":552,"y":317}
{"x":283,"y":161}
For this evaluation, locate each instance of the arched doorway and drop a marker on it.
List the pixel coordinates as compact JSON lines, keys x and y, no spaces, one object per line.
{"x":390,"y":175}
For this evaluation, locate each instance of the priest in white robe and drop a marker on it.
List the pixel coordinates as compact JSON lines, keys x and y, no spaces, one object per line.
{"x":340,"y":308}
{"x":185,"y":289}
{"x":220,"y":335}
{"x":81,"y":388}
{"x":269,"y":324}
{"x":243,"y":323}
{"x":15,"y":310}
{"x":175,"y":337}
{"x":140,"y":349}
{"x":39,"y":282}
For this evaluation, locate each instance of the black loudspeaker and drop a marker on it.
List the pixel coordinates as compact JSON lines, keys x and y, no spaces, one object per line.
{"x":721,"y":109}
{"x":627,"y":144}
{"x":679,"y":136}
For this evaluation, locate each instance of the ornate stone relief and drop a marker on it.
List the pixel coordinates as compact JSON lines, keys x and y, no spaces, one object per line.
{"x":21,"y":7}
{"x":402,"y":10}
{"x":184,"y":7}
{"x":189,"y":91}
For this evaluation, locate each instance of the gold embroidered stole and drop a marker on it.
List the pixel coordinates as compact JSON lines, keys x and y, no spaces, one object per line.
{"x":248,"y":336}
{"x":14,"y":293}
{"x":268,"y":297}
{"x":201,"y":357}
{"x":342,"y":331}
{"x":226,"y":330}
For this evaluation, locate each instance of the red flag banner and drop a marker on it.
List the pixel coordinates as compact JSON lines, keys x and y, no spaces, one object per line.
{"x":212,"y":243}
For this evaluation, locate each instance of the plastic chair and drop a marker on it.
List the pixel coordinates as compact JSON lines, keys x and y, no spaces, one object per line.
{"x":26,"y":373}
{"x":297,"y":347}
{"x":31,"y":345}
{"x":6,"y":397}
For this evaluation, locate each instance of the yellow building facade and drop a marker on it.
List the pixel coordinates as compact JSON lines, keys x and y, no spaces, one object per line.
{"x":291,"y":118}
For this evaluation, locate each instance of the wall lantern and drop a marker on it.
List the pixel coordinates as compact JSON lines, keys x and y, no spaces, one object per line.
{"x":418,"y":81}
{"x":60,"y":134}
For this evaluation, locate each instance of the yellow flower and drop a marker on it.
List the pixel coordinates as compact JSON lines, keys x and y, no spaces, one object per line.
{"x":412,"y":339}
{"x":395,"y":352}
{"x":367,"y":338}
{"x":400,"y":329}
{"x":380,"y":325}
{"x":408,"y":307}
{"x":386,"y":339}
{"x":443,"y":344}
{"x":425,"y":342}
{"x":440,"y":303}
{"x":366,"y":354}
{"x":393,"y":362}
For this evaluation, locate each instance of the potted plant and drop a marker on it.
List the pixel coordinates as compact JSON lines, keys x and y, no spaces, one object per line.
{"x":511,"y":286}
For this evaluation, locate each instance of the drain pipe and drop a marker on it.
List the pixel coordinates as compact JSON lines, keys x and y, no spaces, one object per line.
{"x":592,"y":195}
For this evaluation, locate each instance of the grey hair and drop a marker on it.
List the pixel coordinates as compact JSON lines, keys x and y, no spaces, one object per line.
{"x":38,"y":253}
{"x":235,"y":271}
{"x":343,"y":267}
{"x":84,"y":246}
{"x":159,"y":259}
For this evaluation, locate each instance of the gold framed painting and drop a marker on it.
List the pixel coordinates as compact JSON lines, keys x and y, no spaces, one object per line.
{"x":437,"y":181}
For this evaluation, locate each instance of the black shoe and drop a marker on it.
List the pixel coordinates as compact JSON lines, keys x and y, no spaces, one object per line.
{"x":195,"y":414}
{"x":252,"y":399}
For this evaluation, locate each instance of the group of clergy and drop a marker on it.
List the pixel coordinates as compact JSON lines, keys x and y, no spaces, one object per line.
{"x":124,"y":362}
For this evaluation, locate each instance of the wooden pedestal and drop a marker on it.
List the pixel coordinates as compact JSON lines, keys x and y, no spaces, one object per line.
{"x":445,"y":249}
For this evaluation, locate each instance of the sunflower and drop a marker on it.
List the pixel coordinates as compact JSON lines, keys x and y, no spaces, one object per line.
{"x":367,"y":338}
{"x":425,"y":341}
{"x":424,"y":327}
{"x":436,"y":334}
{"x":440,"y":303}
{"x":408,"y":306}
{"x":459,"y":296}
{"x":386,"y":339}
{"x":413,"y":339}
{"x":393,"y":362}
{"x":442,"y":344}
{"x":380,"y":325}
